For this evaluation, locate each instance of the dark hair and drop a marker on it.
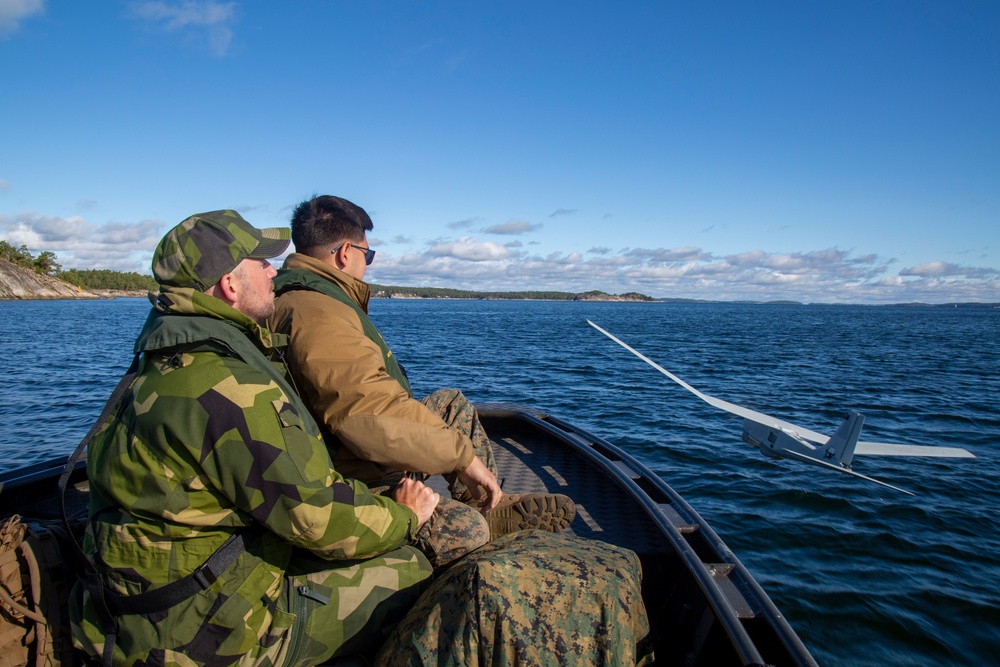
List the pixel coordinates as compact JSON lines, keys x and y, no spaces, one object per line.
{"x":326,"y":220}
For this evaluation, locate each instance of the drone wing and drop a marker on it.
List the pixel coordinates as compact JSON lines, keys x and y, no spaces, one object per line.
{"x":886,"y":449}
{"x":863,"y":448}
{"x":738,"y":410}
{"x":817,"y":462}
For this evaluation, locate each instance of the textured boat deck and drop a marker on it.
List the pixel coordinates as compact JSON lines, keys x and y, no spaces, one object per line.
{"x":529,"y":462}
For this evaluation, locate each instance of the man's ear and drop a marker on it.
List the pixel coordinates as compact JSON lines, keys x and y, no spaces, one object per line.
{"x":340,"y":254}
{"x":226,"y":289}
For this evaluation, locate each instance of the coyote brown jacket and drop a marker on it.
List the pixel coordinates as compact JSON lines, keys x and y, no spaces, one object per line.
{"x":345,"y":375}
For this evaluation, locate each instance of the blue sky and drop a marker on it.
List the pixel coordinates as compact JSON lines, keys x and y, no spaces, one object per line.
{"x":817,"y":151}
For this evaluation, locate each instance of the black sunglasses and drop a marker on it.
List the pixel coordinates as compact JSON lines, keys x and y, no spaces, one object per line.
{"x":369,"y":253}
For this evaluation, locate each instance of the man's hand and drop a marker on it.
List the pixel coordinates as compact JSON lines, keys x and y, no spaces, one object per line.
{"x":419,"y":497}
{"x":478,"y":478}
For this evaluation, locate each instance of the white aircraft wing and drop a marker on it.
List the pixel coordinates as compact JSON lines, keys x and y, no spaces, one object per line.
{"x":886,"y":449}
{"x":738,"y":410}
{"x":824,"y":464}
{"x":863,"y":448}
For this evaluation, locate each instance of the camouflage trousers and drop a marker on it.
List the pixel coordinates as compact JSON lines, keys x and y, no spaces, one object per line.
{"x":456,"y":528}
{"x":458,"y":413}
{"x":528,"y":598}
{"x":345,"y":611}
{"x":453,"y":530}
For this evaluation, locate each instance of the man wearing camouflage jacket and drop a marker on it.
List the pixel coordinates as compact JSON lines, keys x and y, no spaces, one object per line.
{"x":211,"y":446}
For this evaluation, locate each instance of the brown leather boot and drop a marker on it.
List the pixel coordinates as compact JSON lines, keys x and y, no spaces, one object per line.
{"x":523,"y":511}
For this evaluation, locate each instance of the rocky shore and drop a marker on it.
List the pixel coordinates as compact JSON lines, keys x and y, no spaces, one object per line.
{"x":17,"y":283}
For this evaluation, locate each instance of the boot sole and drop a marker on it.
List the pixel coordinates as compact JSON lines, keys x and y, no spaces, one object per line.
{"x":548,"y":512}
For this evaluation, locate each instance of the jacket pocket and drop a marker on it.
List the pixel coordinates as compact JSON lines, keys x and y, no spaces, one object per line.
{"x":243,"y":618}
{"x":287,"y":414}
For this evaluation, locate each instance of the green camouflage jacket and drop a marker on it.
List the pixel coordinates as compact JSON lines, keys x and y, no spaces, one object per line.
{"x":211,"y":440}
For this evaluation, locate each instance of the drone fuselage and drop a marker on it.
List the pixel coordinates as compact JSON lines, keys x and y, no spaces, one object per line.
{"x":779,"y":442}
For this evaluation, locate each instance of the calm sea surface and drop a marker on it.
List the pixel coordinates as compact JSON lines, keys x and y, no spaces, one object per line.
{"x":866,"y":575}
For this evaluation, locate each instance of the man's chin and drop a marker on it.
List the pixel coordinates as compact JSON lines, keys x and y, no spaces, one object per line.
{"x":261,"y":315}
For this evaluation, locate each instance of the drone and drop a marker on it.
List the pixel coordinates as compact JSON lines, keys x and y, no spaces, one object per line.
{"x":779,"y":439}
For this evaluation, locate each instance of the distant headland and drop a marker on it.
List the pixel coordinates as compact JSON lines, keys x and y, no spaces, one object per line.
{"x":395,"y":292}
{"x":24,"y":276}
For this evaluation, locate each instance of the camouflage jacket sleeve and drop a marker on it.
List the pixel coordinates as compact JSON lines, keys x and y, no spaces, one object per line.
{"x":230,"y":447}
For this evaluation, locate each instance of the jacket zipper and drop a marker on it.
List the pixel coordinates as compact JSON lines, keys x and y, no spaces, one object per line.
{"x":304,"y":595}
{"x":301,"y":610}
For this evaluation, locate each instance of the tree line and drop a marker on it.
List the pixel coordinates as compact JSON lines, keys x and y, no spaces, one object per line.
{"x":105,"y":279}
{"x":45,"y":264}
{"x":388,"y":291}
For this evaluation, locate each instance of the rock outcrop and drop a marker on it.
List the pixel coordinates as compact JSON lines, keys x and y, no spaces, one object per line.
{"x":20,"y":283}
{"x":597,"y":295}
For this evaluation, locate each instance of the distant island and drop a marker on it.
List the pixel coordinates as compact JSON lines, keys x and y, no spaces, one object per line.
{"x":397,"y":292}
{"x":25,"y":276}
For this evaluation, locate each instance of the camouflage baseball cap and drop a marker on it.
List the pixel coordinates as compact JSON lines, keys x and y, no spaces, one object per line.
{"x":206,"y":246}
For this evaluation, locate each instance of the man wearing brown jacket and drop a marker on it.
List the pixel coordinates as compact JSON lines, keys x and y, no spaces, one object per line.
{"x":359,"y":394}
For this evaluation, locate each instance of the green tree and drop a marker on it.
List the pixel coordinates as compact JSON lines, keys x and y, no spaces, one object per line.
{"x":46,"y":264}
{"x":20,"y":256}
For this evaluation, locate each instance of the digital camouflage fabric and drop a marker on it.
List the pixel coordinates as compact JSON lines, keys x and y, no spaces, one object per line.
{"x":528,"y":598}
{"x":453,"y":530}
{"x":209,"y":441}
{"x":459,"y":414}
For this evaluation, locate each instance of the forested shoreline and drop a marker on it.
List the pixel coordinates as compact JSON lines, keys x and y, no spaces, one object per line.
{"x":45,"y":264}
{"x":54,"y":283}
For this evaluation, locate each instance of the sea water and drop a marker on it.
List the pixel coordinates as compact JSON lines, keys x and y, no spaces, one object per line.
{"x":866,"y":575}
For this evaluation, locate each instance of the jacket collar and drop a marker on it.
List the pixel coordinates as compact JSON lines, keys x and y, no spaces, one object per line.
{"x":161,"y":331}
{"x":354,"y":288}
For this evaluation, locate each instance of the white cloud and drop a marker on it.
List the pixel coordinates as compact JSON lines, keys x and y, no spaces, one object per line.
{"x":198,"y":20}
{"x":821,"y":276}
{"x":513,"y":227}
{"x":669,"y":255}
{"x":467,"y":248}
{"x":947,"y":269}
{"x":79,"y":244}
{"x":12,"y":12}
{"x":4,"y":185}
{"x":829,"y":275}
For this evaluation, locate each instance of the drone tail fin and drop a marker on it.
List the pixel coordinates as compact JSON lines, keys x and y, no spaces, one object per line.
{"x":841,"y":445}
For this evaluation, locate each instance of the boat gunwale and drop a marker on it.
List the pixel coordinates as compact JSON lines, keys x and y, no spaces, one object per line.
{"x":577,"y":439}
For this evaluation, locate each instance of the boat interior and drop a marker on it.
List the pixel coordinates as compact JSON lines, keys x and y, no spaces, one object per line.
{"x":704,"y":607}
